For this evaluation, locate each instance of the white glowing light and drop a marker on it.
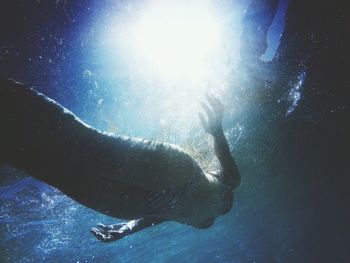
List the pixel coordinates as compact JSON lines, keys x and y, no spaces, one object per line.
{"x":176,"y":40}
{"x":163,"y":56}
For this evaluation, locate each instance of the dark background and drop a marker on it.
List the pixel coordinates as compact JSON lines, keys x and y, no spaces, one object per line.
{"x":294,"y":205}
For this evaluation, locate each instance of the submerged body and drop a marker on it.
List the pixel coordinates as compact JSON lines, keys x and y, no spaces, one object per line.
{"x":119,"y":176}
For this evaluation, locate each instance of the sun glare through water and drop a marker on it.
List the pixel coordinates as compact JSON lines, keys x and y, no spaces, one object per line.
{"x":174,"y":41}
{"x":177,"y":42}
{"x":172,"y":53}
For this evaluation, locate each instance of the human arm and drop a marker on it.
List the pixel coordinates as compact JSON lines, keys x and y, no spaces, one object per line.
{"x":213,"y":125}
{"x":117,"y":231}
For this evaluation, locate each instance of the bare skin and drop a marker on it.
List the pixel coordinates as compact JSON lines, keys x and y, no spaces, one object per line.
{"x":113,"y":174}
{"x":206,"y":199}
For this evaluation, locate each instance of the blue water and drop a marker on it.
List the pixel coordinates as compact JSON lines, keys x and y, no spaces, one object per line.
{"x":64,"y":53}
{"x":43,"y":225}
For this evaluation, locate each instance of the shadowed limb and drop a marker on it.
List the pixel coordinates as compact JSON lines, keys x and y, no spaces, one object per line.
{"x":108,"y":233}
{"x":213,"y":125}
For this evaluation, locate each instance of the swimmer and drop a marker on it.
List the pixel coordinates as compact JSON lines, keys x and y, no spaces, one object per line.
{"x":141,"y":181}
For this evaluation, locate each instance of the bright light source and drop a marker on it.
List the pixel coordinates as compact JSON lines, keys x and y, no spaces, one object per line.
{"x":174,"y":40}
{"x":160,"y":57}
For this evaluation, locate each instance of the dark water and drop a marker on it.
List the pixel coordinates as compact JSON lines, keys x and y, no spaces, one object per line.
{"x":291,"y":146}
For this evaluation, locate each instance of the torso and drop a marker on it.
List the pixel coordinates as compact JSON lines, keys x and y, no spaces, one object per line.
{"x":59,"y":149}
{"x":204,"y":200}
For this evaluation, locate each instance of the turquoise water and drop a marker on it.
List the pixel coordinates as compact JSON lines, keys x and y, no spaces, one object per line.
{"x":292,"y":204}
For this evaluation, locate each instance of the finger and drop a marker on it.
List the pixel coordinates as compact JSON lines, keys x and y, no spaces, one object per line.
{"x":212,"y":101}
{"x":116,"y":232}
{"x":209,"y":112}
{"x":204,"y":122}
{"x":110,"y":227}
{"x":118,"y":225}
{"x":219,"y":105}
{"x":96,"y":232}
{"x":100,"y":236}
{"x":107,"y":238}
{"x":104,"y":227}
{"x":217,"y":101}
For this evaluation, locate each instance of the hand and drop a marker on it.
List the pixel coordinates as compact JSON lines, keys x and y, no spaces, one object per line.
{"x":111,"y":232}
{"x":215,"y":113}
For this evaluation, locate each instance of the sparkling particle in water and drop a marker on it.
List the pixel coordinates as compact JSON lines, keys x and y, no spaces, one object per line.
{"x":295,"y":93}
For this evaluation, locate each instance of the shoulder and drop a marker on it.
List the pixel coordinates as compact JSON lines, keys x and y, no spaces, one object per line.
{"x":154,"y":146}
